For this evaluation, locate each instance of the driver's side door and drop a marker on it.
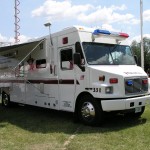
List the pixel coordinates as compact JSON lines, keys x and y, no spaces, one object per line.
{"x":66,"y":79}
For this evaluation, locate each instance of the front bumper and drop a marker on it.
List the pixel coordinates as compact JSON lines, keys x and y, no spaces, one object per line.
{"x":123,"y":104}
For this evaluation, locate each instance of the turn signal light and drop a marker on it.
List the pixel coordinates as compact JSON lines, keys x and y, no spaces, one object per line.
{"x":113,"y":80}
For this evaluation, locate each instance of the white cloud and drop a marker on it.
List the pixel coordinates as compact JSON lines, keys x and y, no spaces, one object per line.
{"x":55,"y":10}
{"x":138,"y":38}
{"x":146,"y":15}
{"x":108,"y":15}
{"x":147,"y":35}
{"x":4,"y":41}
{"x":122,"y":7}
{"x":109,"y":27}
{"x":7,"y":41}
{"x":22,"y":39}
{"x":3,"y":38}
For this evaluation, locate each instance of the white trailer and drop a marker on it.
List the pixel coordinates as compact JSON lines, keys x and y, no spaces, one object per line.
{"x":85,"y":71}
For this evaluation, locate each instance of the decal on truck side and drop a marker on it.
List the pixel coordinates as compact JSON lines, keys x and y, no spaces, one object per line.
{"x":96,"y":90}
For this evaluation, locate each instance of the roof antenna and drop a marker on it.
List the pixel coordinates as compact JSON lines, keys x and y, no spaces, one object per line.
{"x":17,"y":20}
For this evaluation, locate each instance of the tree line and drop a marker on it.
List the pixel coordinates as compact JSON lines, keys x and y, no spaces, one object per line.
{"x":136,"y":47}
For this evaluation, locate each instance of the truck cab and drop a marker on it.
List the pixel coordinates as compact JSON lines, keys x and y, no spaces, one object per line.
{"x":112,"y":80}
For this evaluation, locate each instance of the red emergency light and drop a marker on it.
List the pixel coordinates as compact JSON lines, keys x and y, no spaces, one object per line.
{"x":145,"y":81}
{"x":65,"y":40}
{"x":124,"y":35}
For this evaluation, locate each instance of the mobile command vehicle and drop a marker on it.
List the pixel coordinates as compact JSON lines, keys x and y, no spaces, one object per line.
{"x":80,"y":70}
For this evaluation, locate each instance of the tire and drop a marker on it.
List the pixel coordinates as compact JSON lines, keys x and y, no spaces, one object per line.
{"x":89,"y":111}
{"x":6,"y":100}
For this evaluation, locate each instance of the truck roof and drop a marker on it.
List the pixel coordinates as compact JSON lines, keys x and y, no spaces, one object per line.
{"x":95,"y":32}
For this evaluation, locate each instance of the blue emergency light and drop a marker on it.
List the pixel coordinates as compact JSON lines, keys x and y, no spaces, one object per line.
{"x":106,"y":32}
{"x":129,"y":82}
{"x":98,"y":31}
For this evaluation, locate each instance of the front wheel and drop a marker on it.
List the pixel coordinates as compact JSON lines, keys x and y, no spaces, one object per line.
{"x":89,"y":111}
{"x":5,"y":100}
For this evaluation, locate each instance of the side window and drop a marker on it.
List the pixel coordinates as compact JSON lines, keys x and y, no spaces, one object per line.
{"x":66,"y":59}
{"x":41,"y":63}
{"x":79,"y":50}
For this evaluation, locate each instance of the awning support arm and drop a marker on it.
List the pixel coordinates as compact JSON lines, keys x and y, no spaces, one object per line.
{"x":28,"y":54}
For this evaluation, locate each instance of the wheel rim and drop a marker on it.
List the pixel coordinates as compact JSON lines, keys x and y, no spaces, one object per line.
{"x":88,"y":111}
{"x":5,"y":99}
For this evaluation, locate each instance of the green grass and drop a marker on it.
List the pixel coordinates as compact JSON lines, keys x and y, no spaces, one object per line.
{"x":30,"y":128}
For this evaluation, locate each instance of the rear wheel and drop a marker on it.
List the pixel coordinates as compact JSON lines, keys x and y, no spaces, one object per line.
{"x":5,"y":100}
{"x":89,"y":111}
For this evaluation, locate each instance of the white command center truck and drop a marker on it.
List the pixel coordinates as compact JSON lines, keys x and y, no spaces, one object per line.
{"x":80,"y":70}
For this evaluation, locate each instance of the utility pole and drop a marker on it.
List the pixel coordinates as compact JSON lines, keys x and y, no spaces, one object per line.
{"x":142,"y":49}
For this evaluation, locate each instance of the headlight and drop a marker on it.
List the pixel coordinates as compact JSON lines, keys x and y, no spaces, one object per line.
{"x":109,"y":90}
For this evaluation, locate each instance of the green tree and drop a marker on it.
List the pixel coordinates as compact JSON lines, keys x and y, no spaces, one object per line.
{"x":136,"y":47}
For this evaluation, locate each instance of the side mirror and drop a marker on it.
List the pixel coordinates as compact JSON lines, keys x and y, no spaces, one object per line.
{"x":77,"y":58}
{"x":77,"y":61}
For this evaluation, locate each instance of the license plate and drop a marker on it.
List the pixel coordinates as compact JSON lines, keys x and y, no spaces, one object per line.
{"x":138,"y":109}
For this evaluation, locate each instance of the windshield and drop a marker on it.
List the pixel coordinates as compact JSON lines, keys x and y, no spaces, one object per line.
{"x":108,"y":54}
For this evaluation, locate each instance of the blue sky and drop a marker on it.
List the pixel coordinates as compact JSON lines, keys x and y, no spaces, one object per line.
{"x":116,"y":15}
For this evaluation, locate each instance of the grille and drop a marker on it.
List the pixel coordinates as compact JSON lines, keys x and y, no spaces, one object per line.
{"x":136,"y":86}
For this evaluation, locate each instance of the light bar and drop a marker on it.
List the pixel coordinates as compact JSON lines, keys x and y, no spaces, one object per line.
{"x":114,"y":34}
